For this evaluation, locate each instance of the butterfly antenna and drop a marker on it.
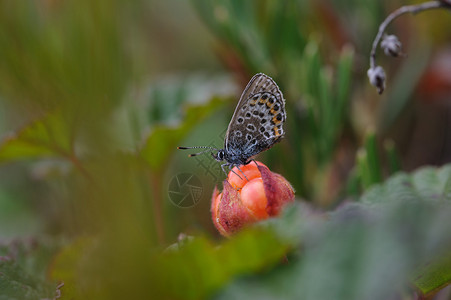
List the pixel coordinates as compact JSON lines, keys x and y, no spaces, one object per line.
{"x":197,"y":147}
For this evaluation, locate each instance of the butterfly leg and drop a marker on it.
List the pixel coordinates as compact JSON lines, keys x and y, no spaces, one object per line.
{"x":222,"y":167}
{"x":255,"y":162}
{"x":242,"y":173}
{"x":230,"y":168}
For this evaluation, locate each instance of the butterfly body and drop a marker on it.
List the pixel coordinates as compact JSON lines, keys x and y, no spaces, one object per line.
{"x":256,"y":125}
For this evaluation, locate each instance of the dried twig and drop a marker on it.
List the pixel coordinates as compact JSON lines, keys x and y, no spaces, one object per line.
{"x":376,"y":74}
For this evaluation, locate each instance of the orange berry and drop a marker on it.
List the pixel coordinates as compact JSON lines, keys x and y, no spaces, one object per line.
{"x":254,"y":198}
{"x":244,"y":201}
{"x":250,"y":171}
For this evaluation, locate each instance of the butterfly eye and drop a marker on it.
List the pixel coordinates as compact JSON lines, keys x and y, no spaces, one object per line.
{"x":221,"y":155}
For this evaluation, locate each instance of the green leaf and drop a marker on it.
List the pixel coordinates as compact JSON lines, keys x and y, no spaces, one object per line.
{"x":343,"y":83}
{"x":163,"y":139}
{"x":358,"y":250}
{"x":193,"y":269}
{"x":372,"y":248}
{"x":433,"y":276}
{"x":246,"y":253}
{"x":22,"y":270}
{"x":426,"y":184}
{"x":65,"y":266}
{"x":45,"y":137}
{"x":311,"y":73}
{"x":368,"y":161}
{"x":394,"y":162}
{"x":74,"y":60}
{"x":374,"y":166}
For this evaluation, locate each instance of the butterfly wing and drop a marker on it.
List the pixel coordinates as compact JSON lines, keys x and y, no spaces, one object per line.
{"x":257,"y":122}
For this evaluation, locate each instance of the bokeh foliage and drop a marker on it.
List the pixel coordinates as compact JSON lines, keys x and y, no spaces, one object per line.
{"x":91,"y":121}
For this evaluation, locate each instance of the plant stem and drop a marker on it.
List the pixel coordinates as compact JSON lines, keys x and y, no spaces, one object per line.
{"x":413,"y":9}
{"x":155,"y":182}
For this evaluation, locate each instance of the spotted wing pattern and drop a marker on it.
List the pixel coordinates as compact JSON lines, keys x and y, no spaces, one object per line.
{"x":257,"y":123}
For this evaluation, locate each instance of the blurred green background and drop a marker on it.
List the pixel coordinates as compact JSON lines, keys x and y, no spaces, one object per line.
{"x":95,"y":96}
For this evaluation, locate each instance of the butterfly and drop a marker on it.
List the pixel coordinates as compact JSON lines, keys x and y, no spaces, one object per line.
{"x":256,"y":124}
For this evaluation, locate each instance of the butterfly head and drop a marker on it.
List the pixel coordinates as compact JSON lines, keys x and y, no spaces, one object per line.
{"x":220,"y":155}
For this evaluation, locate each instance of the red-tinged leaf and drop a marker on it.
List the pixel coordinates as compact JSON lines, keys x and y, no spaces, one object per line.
{"x":46,"y":137}
{"x":163,"y":139}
